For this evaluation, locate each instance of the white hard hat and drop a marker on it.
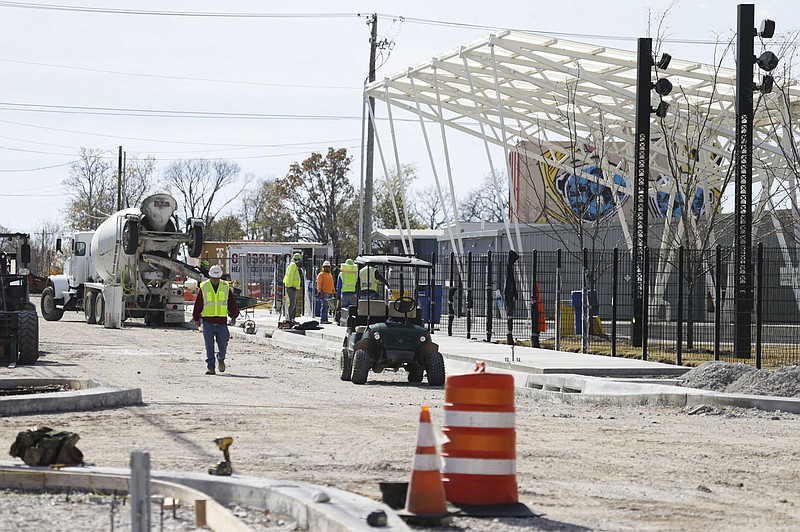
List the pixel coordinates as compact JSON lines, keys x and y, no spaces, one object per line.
{"x":215,"y":271}
{"x":326,"y":263}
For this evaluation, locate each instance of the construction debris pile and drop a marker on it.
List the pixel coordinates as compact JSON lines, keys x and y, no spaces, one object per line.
{"x":744,"y":379}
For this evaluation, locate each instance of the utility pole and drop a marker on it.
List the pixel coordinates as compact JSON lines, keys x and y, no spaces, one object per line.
{"x":119,"y":180}
{"x":368,"y":181}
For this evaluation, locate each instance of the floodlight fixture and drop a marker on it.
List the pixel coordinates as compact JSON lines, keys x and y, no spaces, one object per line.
{"x":662,"y":87}
{"x":661,"y":110}
{"x":663,"y":63}
{"x":767,"y":61}
{"x":767,"y":82}
{"x":767,"y":29}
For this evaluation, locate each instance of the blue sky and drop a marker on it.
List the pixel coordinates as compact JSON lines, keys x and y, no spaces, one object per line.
{"x":298,"y":78}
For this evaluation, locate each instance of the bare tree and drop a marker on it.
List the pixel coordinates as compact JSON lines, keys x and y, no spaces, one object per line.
{"x":91,"y":190}
{"x":428,"y":206}
{"x":138,"y":179}
{"x":482,"y":204}
{"x":198,"y":183}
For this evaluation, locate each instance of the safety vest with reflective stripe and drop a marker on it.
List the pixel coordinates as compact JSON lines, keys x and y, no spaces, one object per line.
{"x":215,"y":302}
{"x":292,"y":277}
{"x":348,"y":273}
{"x":367,"y":278}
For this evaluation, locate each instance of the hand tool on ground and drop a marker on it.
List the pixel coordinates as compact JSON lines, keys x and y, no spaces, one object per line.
{"x":223,"y":468}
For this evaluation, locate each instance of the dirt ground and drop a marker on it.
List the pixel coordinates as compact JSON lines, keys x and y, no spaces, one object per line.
{"x":583,"y":467}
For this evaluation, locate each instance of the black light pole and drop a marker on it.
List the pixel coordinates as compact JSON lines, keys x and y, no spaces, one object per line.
{"x":743,"y":292}
{"x":644,"y":62}
{"x":641,"y":163}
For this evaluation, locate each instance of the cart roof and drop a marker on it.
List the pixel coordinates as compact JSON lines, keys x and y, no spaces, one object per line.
{"x":393,"y":260}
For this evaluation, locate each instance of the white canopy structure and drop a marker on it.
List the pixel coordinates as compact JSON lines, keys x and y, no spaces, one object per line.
{"x":522,"y":91}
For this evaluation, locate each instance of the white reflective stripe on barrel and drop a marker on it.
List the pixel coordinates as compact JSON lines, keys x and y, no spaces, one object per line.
{"x":425,"y":436}
{"x":463,"y":418}
{"x":426,"y":462}
{"x":477,"y":466}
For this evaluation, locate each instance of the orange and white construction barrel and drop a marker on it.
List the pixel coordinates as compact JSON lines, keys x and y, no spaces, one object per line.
{"x":480,"y":458}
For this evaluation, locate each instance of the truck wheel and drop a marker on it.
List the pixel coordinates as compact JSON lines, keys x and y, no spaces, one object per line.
{"x":434,"y":363}
{"x":50,"y":311}
{"x":345,"y":365}
{"x":360,"y":366}
{"x":28,"y":337}
{"x":130,"y":237}
{"x":415,"y":373}
{"x":88,"y":308}
{"x":99,"y":309}
{"x":195,"y":241}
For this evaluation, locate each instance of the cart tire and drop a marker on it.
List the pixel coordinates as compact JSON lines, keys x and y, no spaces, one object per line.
{"x":361,"y":362}
{"x":415,"y":374}
{"x":28,"y":337}
{"x":345,"y":365}
{"x":88,"y":308}
{"x":434,"y":363}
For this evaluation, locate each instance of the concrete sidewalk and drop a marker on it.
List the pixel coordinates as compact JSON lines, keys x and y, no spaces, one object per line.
{"x":553,"y":375}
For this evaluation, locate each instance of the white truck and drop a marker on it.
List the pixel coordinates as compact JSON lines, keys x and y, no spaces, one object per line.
{"x":126,"y":268}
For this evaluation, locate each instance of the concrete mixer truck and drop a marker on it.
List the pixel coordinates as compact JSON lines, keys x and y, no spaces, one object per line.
{"x":126,"y":268}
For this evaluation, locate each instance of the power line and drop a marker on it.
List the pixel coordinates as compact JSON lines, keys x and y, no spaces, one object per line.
{"x":111,"y":11}
{"x":320,"y":15}
{"x":162,"y":113}
{"x":39,"y":168}
{"x":186,"y":78}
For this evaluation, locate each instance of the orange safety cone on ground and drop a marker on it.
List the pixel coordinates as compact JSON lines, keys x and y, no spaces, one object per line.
{"x":426,"y":491}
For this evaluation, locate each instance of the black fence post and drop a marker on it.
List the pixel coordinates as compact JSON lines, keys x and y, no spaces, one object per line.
{"x":586,"y":320}
{"x":614,"y":288}
{"x":432,"y":293}
{"x":679,"y":323}
{"x":759,"y":302}
{"x":469,"y":295}
{"x":558,"y":300}
{"x":534,"y":305}
{"x":645,"y":301}
{"x":451,"y":294}
{"x":718,"y":301}
{"x":489,"y":297}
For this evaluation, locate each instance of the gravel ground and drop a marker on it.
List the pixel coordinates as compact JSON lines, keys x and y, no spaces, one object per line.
{"x":583,"y":467}
{"x":744,"y":379}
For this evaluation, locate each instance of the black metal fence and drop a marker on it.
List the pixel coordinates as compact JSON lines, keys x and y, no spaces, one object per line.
{"x":689,"y":315}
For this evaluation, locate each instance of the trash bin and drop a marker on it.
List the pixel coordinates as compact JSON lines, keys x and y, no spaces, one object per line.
{"x":422,"y":300}
{"x":577,"y":308}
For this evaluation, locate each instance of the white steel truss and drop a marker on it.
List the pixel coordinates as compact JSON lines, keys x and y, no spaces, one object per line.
{"x":513,"y":86}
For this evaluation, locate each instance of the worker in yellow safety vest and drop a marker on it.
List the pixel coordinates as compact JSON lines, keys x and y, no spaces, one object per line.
{"x":215,"y":301}
{"x":346,"y":283}
{"x":368,"y":279}
{"x":292,"y":280}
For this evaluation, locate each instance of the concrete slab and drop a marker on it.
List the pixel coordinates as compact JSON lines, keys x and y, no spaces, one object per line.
{"x":313,"y":507}
{"x":83,"y":394}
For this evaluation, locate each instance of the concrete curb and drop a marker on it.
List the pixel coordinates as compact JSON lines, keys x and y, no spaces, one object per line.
{"x":313,"y":507}
{"x":85,"y":394}
{"x":569,"y":385}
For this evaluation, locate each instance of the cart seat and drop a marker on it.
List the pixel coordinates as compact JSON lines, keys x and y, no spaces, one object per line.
{"x":412,"y":314}
{"x":374,"y":308}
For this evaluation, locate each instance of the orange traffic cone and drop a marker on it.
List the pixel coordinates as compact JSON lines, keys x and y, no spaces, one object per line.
{"x":426,"y":491}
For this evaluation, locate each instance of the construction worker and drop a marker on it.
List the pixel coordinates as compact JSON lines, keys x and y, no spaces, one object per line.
{"x":346,"y":284}
{"x":292,"y":281}
{"x":325,"y":290}
{"x":368,"y":279}
{"x":215,"y":301}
